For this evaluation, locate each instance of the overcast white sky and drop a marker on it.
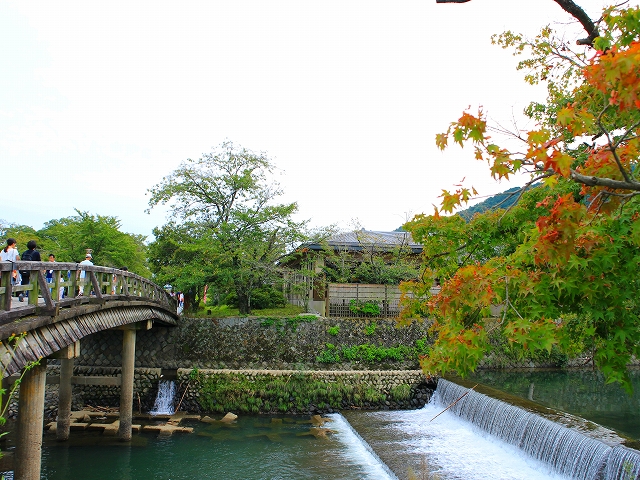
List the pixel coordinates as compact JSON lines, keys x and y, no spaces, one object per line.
{"x":99,"y":101}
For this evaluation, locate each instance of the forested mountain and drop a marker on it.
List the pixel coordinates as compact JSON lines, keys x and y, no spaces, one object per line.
{"x":500,"y":200}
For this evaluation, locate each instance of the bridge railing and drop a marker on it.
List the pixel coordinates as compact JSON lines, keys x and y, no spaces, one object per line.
{"x":82,"y":284}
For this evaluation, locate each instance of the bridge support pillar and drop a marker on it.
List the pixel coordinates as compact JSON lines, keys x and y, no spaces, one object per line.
{"x":66,"y":356}
{"x":126,"y":385}
{"x":30,"y":423}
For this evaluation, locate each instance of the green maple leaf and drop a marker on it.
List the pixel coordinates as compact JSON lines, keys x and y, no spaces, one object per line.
{"x":565,"y":116}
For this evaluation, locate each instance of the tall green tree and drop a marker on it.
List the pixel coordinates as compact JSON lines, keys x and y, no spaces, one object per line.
{"x":69,"y":238}
{"x":226,"y":228}
{"x":569,"y":278}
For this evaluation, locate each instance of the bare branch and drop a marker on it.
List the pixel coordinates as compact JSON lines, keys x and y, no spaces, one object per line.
{"x":521,"y":192}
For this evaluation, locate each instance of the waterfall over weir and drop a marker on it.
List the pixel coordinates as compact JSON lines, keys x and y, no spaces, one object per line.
{"x":567,"y":451}
{"x":165,"y":398}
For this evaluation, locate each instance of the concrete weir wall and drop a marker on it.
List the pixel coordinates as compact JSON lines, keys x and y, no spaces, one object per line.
{"x":255,"y":349}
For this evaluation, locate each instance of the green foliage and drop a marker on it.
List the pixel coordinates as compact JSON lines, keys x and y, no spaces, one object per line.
{"x":366,"y":353}
{"x":372,"y":263}
{"x":68,"y":239}
{"x":370,"y":329}
{"x":6,"y":395}
{"x":335,"y":330}
{"x":329,"y":355}
{"x":503,"y":200}
{"x":422,"y":347}
{"x":266,"y":296}
{"x":267,"y":394}
{"x":228,"y":232}
{"x":367,"y":308}
{"x":223,"y":311}
{"x":563,"y":262}
{"x":401,"y":392}
{"x":291,"y":322}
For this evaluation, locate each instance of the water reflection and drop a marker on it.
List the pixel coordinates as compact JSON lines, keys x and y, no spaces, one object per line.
{"x":576,"y":391}
{"x":250,"y":448}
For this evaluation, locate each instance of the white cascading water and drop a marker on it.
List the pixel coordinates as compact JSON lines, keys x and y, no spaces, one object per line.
{"x":359,"y":451}
{"x":165,"y":398}
{"x":568,"y":452}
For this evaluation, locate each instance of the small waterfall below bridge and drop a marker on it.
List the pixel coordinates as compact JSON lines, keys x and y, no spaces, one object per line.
{"x":165,"y":398}
{"x":568,"y":451}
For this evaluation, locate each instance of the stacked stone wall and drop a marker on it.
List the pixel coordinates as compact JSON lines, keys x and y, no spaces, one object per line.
{"x":255,"y":343}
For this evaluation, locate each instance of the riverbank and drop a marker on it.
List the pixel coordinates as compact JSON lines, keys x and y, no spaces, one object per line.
{"x":209,"y":391}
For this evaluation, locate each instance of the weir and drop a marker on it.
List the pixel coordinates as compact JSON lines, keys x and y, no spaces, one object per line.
{"x":163,"y":404}
{"x":568,"y":451}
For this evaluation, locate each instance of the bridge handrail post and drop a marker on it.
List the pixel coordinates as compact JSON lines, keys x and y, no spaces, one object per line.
{"x":97,"y":288}
{"x":125,"y":284}
{"x":54,"y":286}
{"x":33,"y":288}
{"x":43,"y":290}
{"x":6,"y":290}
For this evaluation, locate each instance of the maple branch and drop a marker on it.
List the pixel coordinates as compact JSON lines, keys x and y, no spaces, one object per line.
{"x":612,"y":147}
{"x":521,"y":192}
{"x":427,"y":260}
{"x":605,"y":182}
{"x":556,"y":52}
{"x":572,"y":9}
{"x":579,"y":14}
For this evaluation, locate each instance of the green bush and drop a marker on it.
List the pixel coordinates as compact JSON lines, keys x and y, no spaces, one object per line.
{"x":264,"y":297}
{"x":400,"y":393}
{"x":366,"y":309}
{"x":267,"y":394}
{"x":329,"y":355}
{"x":366,"y":353}
{"x":335,"y":330}
{"x":370,"y":329}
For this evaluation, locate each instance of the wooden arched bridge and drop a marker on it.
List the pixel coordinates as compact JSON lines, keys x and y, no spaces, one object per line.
{"x":47,"y":318}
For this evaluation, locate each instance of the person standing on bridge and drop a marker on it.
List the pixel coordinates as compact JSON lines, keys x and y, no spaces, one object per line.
{"x":29,"y":255}
{"x":81,"y":274}
{"x":49,"y":277}
{"x":10,"y":254}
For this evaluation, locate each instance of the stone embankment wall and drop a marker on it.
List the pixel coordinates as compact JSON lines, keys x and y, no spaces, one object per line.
{"x":253,"y":391}
{"x":258,"y":350}
{"x":261,"y":343}
{"x":302,"y":392}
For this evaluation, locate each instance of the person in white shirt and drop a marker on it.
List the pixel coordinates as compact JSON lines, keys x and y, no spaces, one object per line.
{"x":10,"y":254}
{"x":81,"y":273}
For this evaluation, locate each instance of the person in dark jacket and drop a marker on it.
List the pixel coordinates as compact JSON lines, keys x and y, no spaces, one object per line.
{"x":31,"y":255}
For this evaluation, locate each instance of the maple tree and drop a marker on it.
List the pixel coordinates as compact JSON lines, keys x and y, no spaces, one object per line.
{"x":563,"y":263}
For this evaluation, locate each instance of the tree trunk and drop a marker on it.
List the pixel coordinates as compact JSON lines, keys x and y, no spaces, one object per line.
{"x":244,"y":302}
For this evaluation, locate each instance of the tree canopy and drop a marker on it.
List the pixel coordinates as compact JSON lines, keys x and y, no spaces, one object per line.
{"x":226,"y":228}
{"x":69,"y":238}
{"x":563,"y":262}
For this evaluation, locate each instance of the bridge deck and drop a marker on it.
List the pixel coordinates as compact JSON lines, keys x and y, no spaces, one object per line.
{"x":100,"y":298}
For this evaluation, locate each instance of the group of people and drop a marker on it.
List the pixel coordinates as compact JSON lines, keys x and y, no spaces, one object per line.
{"x":10,"y":253}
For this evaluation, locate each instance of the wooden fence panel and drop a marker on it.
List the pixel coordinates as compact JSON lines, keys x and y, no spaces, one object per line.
{"x":344,"y":299}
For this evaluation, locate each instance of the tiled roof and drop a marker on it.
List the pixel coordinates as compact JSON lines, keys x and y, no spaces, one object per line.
{"x":355,"y":240}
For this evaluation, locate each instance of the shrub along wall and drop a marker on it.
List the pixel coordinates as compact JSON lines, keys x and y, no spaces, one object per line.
{"x":302,"y":392}
{"x":254,"y":391}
